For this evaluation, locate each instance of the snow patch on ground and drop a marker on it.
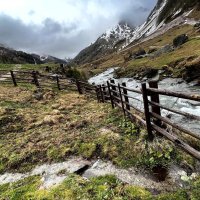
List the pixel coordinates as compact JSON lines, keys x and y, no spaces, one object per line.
{"x":149,"y":26}
{"x":163,"y":28}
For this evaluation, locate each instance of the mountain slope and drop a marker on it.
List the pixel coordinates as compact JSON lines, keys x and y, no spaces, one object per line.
{"x":178,"y":7}
{"x":166,"y":15}
{"x":108,"y":42}
{"x":11,"y":56}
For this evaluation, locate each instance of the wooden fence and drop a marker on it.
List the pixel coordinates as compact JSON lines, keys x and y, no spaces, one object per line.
{"x":148,"y":114}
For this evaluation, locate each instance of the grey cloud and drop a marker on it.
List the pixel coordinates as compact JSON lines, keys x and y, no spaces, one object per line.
{"x":66,"y":40}
{"x":45,"y":38}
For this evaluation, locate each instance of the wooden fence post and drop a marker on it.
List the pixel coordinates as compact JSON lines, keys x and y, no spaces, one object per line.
{"x":155,"y":98}
{"x":111,"y":98}
{"x":97,"y":93}
{"x":13,"y":78}
{"x":101,"y":92}
{"x":120,"y":93}
{"x":104,"y":92}
{"x":114,"y":88}
{"x":35,"y":79}
{"x":79,"y":87}
{"x":58,"y":82}
{"x":125,"y":97}
{"x":146,"y":111}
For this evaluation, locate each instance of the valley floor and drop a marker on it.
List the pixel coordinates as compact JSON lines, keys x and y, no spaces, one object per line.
{"x":64,"y":125}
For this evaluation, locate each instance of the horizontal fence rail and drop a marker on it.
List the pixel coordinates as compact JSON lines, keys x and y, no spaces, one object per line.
{"x":148,"y":114}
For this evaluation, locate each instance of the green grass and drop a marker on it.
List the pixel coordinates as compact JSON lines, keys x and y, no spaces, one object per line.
{"x":38,"y":67}
{"x":74,"y":126}
{"x":82,"y":127}
{"x":76,"y":188}
{"x":133,"y":67}
{"x":189,"y":49}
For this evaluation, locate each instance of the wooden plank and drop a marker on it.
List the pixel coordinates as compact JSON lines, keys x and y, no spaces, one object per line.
{"x":136,"y":118}
{"x":13,"y":78}
{"x":101,"y":93}
{"x":193,"y":152}
{"x":193,"y":97}
{"x":155,"y":98}
{"x":111,"y":97}
{"x":58,"y":82}
{"x":133,"y":98}
{"x":132,"y":90}
{"x":79,"y":87}
{"x":122,"y":100}
{"x":113,"y":87}
{"x":35,"y":78}
{"x":191,"y":116}
{"x":146,"y":111}
{"x":180,"y":128}
{"x":125,"y":93}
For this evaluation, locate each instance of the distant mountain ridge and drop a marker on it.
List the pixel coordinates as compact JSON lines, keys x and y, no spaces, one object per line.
{"x":165,"y":15}
{"x":11,"y":56}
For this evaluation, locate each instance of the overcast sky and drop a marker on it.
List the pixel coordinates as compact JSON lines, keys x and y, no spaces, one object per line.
{"x":64,"y":27}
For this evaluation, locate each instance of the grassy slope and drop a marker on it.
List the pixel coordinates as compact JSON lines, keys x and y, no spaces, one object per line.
{"x":63,"y":124}
{"x":39,"y":67}
{"x":191,"y":48}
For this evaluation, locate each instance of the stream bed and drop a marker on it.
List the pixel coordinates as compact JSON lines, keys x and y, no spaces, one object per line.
{"x":172,"y":84}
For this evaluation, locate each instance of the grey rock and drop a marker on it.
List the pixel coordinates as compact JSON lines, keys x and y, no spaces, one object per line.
{"x":179,"y":40}
{"x":197,"y":25}
{"x":139,"y":54}
{"x":152,"y":50}
{"x":166,"y":49}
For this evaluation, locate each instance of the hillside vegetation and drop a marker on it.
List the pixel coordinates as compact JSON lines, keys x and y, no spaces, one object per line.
{"x":176,"y":61}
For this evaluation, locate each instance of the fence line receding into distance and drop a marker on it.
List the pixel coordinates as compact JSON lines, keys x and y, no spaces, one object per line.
{"x":119,"y":95}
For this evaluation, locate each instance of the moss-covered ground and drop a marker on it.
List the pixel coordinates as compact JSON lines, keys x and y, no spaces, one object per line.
{"x":65,"y":124}
{"x":77,"y":188}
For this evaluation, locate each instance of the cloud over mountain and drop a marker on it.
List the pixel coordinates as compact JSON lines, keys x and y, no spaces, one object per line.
{"x":69,"y":29}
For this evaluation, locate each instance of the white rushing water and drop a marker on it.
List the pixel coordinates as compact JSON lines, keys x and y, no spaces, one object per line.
{"x":178,"y":85}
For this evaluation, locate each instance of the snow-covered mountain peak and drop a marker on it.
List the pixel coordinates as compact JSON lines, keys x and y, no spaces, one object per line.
{"x":165,"y":15}
{"x":121,"y":31}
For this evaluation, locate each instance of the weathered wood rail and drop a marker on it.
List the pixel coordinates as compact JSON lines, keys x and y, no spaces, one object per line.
{"x":119,"y":95}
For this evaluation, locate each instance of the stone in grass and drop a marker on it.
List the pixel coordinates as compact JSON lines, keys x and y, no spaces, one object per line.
{"x":139,"y":54}
{"x":166,"y":49}
{"x":180,"y":40}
